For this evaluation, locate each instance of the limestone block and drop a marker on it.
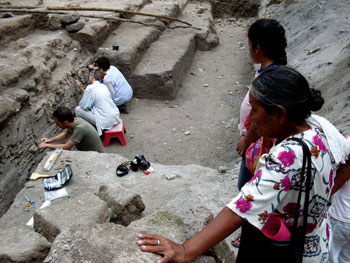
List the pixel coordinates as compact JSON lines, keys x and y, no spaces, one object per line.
{"x":208,"y":39}
{"x":19,"y":244}
{"x":200,"y":16}
{"x":84,"y":209}
{"x":98,"y":243}
{"x":73,"y":28}
{"x":53,"y":22}
{"x":223,"y":253}
{"x":204,"y":259}
{"x":125,"y":205}
{"x":194,"y":214}
{"x":93,"y":33}
{"x":70,"y":19}
{"x":162,"y":222}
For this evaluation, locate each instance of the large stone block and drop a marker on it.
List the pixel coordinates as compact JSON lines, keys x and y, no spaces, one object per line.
{"x":192,"y":211}
{"x":162,"y":222}
{"x":204,"y":259}
{"x":19,"y":244}
{"x":98,"y":243}
{"x":125,"y":205}
{"x":84,"y":209}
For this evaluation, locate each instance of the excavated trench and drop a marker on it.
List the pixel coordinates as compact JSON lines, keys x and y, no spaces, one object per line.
{"x":39,"y":61}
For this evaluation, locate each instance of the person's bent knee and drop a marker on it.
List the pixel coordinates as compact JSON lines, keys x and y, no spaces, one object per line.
{"x":78,"y":111}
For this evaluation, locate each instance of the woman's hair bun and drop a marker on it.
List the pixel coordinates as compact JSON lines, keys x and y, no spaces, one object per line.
{"x":316,"y":100}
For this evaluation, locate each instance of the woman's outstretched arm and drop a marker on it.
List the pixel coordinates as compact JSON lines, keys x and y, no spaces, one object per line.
{"x":219,"y":228}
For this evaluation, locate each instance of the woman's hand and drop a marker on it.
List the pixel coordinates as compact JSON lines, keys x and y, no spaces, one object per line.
{"x":172,"y":251}
{"x":242,"y":145}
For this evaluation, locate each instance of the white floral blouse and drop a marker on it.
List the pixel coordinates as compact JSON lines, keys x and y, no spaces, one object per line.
{"x":274,"y":188}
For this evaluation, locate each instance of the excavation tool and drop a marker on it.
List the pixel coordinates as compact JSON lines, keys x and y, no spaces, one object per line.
{"x":34,"y":176}
{"x":29,"y":202}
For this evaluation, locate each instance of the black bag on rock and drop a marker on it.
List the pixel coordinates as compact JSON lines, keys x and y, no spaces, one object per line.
{"x":256,"y":247}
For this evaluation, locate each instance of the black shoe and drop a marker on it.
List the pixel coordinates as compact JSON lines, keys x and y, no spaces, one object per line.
{"x":124,"y":108}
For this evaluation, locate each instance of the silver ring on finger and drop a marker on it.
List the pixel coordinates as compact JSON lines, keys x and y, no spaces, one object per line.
{"x":158,"y":242}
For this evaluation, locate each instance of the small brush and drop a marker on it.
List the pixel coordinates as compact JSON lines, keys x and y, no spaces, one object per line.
{"x":34,"y":176}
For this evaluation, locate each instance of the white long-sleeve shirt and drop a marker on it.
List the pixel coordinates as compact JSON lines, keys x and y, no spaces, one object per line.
{"x":98,"y":99}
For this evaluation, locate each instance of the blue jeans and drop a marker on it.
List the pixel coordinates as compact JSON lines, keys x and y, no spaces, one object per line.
{"x":244,"y":175}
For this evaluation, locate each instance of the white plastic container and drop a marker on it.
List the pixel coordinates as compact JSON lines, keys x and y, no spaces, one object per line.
{"x":52,"y":159}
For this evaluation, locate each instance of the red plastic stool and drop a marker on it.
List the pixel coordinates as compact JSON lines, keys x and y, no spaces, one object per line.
{"x":117,"y":131}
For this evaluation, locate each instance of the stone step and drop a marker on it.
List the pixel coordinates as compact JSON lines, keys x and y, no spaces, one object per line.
{"x":161,"y":70}
{"x":135,"y":39}
{"x":96,"y":31}
{"x":19,"y":24}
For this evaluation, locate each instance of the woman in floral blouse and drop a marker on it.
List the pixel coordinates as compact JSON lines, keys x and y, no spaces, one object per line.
{"x":281,"y":102}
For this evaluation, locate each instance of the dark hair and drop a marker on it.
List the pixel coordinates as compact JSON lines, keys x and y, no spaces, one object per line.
{"x":270,"y":36}
{"x":284,"y":86}
{"x":63,"y":114}
{"x":103,"y":63}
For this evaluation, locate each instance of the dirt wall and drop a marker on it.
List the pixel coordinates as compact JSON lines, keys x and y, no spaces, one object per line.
{"x":235,"y":8}
{"x":319,"y":47}
{"x":37,"y":69}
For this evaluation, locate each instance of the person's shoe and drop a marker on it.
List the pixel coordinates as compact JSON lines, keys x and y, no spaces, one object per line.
{"x":235,"y":242}
{"x":124,"y":108}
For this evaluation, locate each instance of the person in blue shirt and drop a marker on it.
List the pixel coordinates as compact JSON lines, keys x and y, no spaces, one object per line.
{"x":116,"y":83}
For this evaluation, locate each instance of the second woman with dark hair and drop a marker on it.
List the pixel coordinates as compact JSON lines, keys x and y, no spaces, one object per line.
{"x":267,"y":44}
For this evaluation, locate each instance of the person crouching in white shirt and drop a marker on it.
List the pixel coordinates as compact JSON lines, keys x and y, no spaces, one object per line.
{"x":96,"y":105}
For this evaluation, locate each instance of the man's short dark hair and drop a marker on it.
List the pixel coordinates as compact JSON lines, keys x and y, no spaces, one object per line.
{"x":63,"y":114}
{"x":103,"y":63}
